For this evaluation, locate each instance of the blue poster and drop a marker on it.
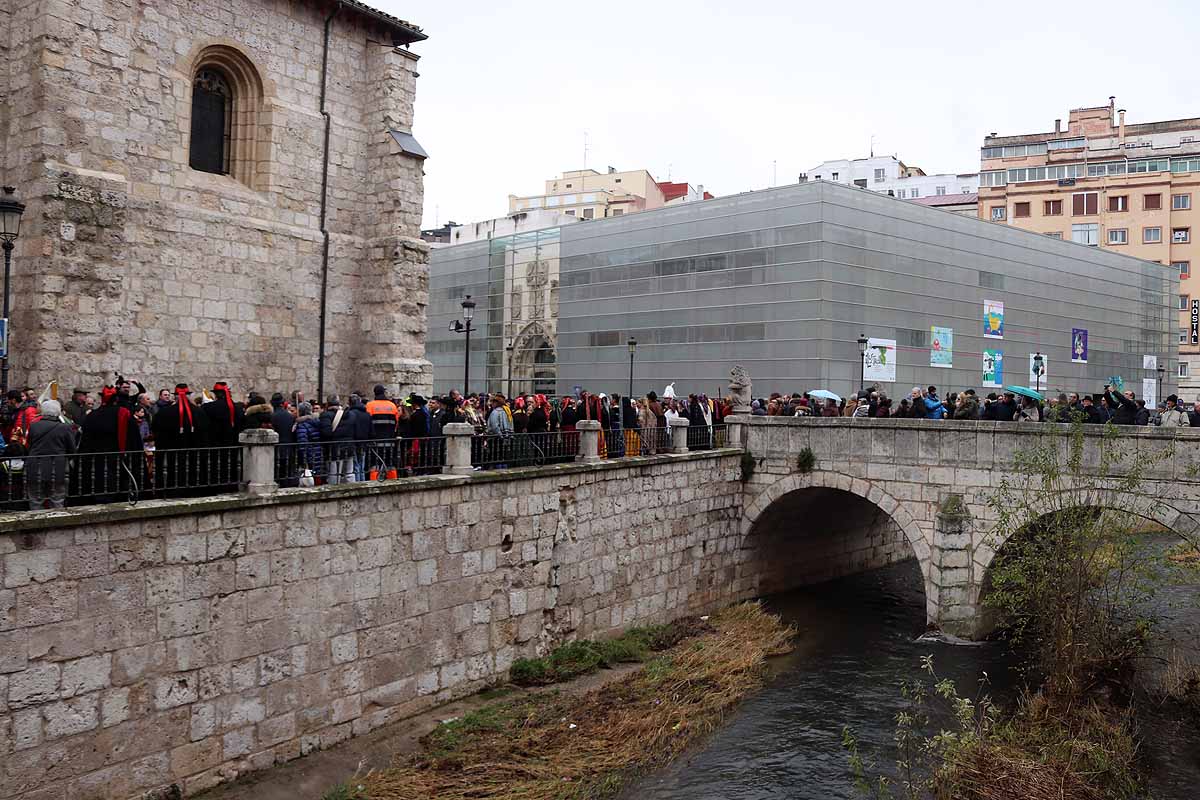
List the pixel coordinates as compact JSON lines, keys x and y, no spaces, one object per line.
{"x":941,"y":347}
{"x":993,"y":368}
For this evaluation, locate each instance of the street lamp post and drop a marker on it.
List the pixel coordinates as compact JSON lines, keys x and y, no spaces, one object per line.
{"x":10,"y":228}
{"x":632,"y":349}
{"x":464,"y":326}
{"x":508,"y":354}
{"x":862,"y":361}
{"x":1038,"y":360}
{"x":1162,"y":371}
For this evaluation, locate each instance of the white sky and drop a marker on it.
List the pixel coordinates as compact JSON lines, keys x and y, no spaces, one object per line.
{"x":713,"y":92}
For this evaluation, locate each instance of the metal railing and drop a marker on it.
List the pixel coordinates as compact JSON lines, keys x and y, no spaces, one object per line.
{"x":355,"y":461}
{"x":75,"y":479}
{"x":706,"y":437}
{"x":504,"y":451}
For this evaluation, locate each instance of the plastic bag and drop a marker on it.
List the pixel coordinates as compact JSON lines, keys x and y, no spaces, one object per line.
{"x":306,"y":478}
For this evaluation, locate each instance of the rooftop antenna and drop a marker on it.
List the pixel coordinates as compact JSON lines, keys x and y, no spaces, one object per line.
{"x":585,"y":149}
{"x":872,"y":145}
{"x":774,"y":174}
{"x":669,"y":172}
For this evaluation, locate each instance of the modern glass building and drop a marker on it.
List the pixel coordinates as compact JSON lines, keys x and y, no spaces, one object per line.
{"x":785,"y":282}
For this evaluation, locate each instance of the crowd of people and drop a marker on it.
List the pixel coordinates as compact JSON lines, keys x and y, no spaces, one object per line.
{"x":1118,"y":407}
{"x":190,"y":439}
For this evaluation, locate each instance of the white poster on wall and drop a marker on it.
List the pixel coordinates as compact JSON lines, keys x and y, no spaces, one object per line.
{"x":879,"y":361}
{"x":1149,"y":362}
{"x":1150,"y":392}
{"x":1037,"y":370}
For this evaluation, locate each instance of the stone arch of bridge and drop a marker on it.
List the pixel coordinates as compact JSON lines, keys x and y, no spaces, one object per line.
{"x":794,"y":487}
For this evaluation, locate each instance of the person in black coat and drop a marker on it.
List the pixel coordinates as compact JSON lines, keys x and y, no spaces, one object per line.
{"x":226,"y":418}
{"x":1123,"y":405}
{"x":110,"y":430}
{"x":180,"y":427}
{"x":337,"y":431}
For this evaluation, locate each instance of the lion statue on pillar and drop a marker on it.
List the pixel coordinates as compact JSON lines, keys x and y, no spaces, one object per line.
{"x":739,"y":389}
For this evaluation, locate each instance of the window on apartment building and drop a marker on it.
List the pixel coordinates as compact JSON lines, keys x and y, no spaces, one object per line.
{"x":816,"y":177}
{"x":900,"y":193}
{"x":1151,"y":235}
{"x":1181,"y":235}
{"x":1184,"y":267}
{"x":616,"y":212}
{"x":1183,"y":369}
{"x":880,"y":176}
{"x":1152,"y":202}
{"x":860,"y":183}
{"x":915,"y":192}
{"x":1184,"y":301}
{"x":1085,"y":204}
{"x":1052,"y":208}
{"x":997,"y":213}
{"x":589,"y":213}
{"x":616,"y":180}
{"x":940,"y":190}
{"x":1118,"y":236}
{"x":996,"y":178}
{"x":1020,"y":209}
{"x":835,"y":176}
{"x":571,"y":213}
{"x":568,"y":186}
{"x":1118,"y":202}
{"x":1181,"y":202}
{"x":1054,"y":234}
{"x":1183,"y":335}
{"x":1087,"y":233}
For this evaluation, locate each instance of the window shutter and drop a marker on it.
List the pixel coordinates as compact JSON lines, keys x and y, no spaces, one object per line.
{"x":1077,"y":205}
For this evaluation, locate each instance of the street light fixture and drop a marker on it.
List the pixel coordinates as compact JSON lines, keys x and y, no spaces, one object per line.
{"x":1162,"y":371}
{"x":862,"y":361}
{"x":464,"y":326}
{"x":508,"y":355}
{"x":1038,"y":360}
{"x":632,"y":349}
{"x":10,"y":228}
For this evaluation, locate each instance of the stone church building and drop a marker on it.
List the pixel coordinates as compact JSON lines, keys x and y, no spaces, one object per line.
{"x":214,"y":189}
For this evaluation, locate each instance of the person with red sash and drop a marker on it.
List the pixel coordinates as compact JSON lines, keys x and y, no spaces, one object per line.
{"x":105,"y":474}
{"x":180,"y":427}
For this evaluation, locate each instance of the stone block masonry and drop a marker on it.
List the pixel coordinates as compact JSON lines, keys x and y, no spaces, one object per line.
{"x":179,"y":644}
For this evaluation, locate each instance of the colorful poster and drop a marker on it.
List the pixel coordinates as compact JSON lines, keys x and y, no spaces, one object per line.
{"x":993,"y":367}
{"x":1037,"y":371}
{"x":941,"y":347}
{"x":993,"y":319}
{"x":1079,"y":345}
{"x":879,"y":361}
{"x":1150,"y":392}
{"x":1150,"y":362}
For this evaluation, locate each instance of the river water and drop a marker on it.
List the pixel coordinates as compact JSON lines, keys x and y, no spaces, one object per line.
{"x":859,"y":639}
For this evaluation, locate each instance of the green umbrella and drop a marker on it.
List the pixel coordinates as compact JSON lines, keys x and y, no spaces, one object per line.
{"x":1025,"y":391}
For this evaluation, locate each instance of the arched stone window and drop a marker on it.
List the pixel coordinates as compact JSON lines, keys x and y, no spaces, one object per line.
{"x":212,"y":122}
{"x":226,"y":114}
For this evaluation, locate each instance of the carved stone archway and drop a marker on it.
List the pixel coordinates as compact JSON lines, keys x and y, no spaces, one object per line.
{"x":533,"y":362}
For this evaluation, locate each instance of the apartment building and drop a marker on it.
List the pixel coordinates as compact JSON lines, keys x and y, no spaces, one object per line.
{"x":891,"y":176}
{"x":1103,"y":182}
{"x":588,"y":194}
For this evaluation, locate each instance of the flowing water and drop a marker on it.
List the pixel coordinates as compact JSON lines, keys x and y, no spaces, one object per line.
{"x":859,"y":639}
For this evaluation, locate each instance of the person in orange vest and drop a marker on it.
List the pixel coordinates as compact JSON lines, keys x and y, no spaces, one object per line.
{"x":385,"y":423}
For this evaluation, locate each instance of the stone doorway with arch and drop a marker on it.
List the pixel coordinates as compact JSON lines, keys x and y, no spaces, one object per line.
{"x":533,"y":364}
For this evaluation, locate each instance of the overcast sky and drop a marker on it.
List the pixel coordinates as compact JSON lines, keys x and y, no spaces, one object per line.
{"x":715,"y":92}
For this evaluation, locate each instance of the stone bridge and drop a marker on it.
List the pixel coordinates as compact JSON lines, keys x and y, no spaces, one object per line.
{"x":880,"y":491}
{"x":156,"y":650}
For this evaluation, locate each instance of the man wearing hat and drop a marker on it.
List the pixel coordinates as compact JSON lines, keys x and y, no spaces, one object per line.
{"x":77,"y":408}
{"x":1174,"y":416}
{"x":181,"y":426}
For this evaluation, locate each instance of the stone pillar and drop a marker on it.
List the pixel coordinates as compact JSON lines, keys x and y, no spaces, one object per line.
{"x":734,"y":427}
{"x":951,"y":570}
{"x":679,"y":430}
{"x":458,"y":448}
{"x":258,"y":461}
{"x":589,"y":441}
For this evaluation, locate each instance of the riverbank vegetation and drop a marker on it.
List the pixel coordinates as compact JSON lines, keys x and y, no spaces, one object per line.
{"x":549,"y":746}
{"x":1076,"y":589}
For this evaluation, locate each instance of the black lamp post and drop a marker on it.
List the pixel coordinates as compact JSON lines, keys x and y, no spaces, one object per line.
{"x":508,"y":354}
{"x":10,"y":228}
{"x":1162,"y":371}
{"x":632,"y":349}
{"x":464,"y":326}
{"x":862,"y":361}
{"x":1038,"y":360}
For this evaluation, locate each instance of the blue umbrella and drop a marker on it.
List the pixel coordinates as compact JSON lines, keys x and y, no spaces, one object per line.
{"x":825,"y":394}
{"x":1025,"y":391}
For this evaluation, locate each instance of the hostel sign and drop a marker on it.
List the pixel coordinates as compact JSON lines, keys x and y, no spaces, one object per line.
{"x":1196,"y":321}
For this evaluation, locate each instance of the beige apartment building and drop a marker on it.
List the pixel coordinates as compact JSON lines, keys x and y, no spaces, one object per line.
{"x":1103,"y":182}
{"x":588,"y":194}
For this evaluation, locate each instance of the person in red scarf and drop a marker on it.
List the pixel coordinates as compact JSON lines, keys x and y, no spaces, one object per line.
{"x":226,"y":418}
{"x":105,"y":475}
{"x":180,"y":427}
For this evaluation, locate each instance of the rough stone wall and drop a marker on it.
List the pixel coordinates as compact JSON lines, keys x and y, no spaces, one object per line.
{"x":132,"y":262}
{"x":147,"y":652}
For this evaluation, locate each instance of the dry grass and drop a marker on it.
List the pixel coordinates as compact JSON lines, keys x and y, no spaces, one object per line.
{"x":549,"y":747}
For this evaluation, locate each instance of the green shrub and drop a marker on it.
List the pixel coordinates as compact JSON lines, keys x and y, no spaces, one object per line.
{"x":806,"y":460}
{"x":748,"y":467}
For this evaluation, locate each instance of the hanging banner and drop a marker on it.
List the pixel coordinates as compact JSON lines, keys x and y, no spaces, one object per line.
{"x":1195,"y":322}
{"x":993,"y":367}
{"x":879,"y":361}
{"x":941,"y":347}
{"x":1037,"y":372}
{"x":993,"y":319}
{"x":1150,"y":362}
{"x":1150,"y":392}
{"x":1079,"y":345}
